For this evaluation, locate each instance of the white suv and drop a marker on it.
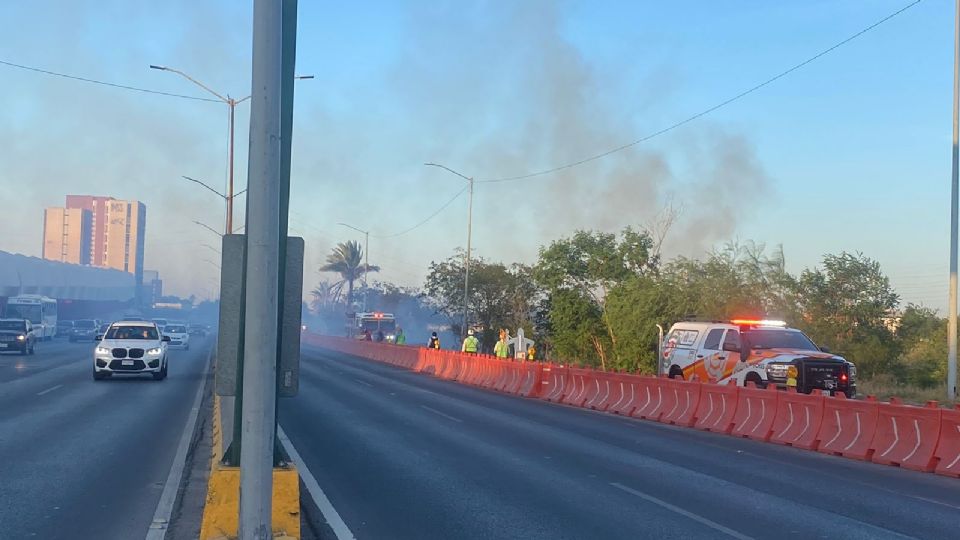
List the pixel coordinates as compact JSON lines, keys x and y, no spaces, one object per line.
{"x":131,"y":347}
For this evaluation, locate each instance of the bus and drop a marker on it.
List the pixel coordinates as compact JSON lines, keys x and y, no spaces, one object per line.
{"x":39,"y":310}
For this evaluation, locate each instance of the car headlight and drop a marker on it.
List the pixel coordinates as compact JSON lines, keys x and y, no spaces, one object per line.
{"x":778,"y":371}
{"x":21,"y":337}
{"x":102,"y":350}
{"x":155,"y":350}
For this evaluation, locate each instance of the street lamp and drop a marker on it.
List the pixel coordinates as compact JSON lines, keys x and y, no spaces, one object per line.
{"x":366,"y":263}
{"x":232,"y":104}
{"x":466,"y":273}
{"x":227,"y":198}
{"x":207,"y":227}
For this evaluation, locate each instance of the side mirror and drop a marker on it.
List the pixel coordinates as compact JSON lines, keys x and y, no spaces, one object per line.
{"x":731,"y":347}
{"x":166,"y":338}
{"x":825,"y":349}
{"x":97,"y":337}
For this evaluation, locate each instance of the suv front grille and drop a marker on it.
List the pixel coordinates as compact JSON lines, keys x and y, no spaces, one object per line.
{"x":136,"y":353}
{"x":119,"y":352}
{"x":117,"y":365}
{"x":825,"y":375}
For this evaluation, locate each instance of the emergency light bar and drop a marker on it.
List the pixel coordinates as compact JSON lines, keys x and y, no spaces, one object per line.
{"x":753,"y":322}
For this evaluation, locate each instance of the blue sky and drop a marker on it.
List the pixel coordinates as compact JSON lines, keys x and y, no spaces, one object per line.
{"x":852,"y":152}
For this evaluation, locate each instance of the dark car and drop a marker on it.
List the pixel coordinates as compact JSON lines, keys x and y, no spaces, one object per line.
{"x":17,"y":335}
{"x":64,"y":328}
{"x":103,"y":329}
{"x":85,"y":330}
{"x":196,"y":330}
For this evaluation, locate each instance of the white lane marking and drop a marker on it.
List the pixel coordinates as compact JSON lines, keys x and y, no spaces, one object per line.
{"x":445,"y":415}
{"x":916,"y":426}
{"x":699,"y":519}
{"x":48,"y":390}
{"x":364,"y":382}
{"x":896,"y":437}
{"x":956,"y":459}
{"x":330,"y":513}
{"x":161,"y":517}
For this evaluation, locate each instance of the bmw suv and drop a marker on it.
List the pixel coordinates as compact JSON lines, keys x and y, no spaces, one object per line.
{"x":131,"y":348}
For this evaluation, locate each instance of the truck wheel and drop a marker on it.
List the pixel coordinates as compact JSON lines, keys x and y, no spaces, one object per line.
{"x":755,"y":379}
{"x":676,"y":372}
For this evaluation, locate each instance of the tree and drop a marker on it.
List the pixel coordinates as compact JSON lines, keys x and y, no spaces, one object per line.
{"x":587,"y":265}
{"x":846,"y":305}
{"x":923,"y":339}
{"x":500,"y":296}
{"x":347,"y":260}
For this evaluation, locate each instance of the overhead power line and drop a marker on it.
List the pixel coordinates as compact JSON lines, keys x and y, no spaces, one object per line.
{"x":104,"y":83}
{"x":705,"y":111}
{"x":424,"y":222}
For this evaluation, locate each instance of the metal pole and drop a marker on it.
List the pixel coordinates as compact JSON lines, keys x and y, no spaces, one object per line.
{"x":954,"y":188}
{"x":660,"y":348}
{"x":233,"y":105}
{"x":260,"y":333}
{"x":366,"y":266}
{"x":466,"y":273}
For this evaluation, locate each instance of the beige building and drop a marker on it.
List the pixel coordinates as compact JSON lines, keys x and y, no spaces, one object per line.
{"x":124,"y":236}
{"x":97,"y":231}
{"x":67,"y":235}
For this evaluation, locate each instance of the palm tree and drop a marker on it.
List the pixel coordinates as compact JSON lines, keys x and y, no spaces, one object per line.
{"x":347,"y":260}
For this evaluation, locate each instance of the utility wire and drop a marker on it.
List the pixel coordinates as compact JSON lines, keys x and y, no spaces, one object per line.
{"x":706,"y":111}
{"x":431,"y":216}
{"x":103,"y":83}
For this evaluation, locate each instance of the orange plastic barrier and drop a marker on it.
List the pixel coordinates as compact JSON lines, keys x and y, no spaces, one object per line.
{"x":598,"y":399}
{"x":848,"y":427}
{"x":906,"y":436}
{"x":653,"y":405}
{"x":614,"y":389}
{"x":579,"y":380}
{"x":717,"y":408}
{"x":798,"y":419}
{"x":555,"y":382}
{"x":948,"y":449}
{"x":530,"y":385}
{"x":684,"y":399}
{"x":756,"y":411}
{"x":633,"y":386}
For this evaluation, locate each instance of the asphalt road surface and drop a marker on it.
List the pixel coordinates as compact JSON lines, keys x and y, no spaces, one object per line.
{"x":403,"y":455}
{"x":86,"y":459}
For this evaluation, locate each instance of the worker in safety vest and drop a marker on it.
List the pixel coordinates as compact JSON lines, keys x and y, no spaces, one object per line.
{"x":501,"y":349}
{"x":434,"y":342}
{"x":401,"y":338}
{"x":531,"y":353}
{"x":792,"y":377}
{"x":471,"y":343}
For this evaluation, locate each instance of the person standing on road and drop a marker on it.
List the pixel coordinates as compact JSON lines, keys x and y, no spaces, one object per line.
{"x":531,"y":353}
{"x":401,"y":337}
{"x":471,"y":343}
{"x":501,"y":349}
{"x":434,"y":342}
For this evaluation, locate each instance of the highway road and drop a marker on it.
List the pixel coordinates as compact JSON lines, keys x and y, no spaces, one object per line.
{"x":86,"y":459}
{"x":403,"y":455}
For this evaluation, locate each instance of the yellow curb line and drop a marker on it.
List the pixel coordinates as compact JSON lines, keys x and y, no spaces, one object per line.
{"x":221,"y":511}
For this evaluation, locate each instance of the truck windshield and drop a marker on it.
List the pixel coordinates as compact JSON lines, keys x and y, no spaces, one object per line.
{"x":379,"y":324}
{"x":778,"y":339}
{"x":18,"y":326}
{"x":31,"y":312}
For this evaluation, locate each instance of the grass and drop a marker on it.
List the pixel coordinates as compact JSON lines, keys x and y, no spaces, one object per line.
{"x":884,"y":389}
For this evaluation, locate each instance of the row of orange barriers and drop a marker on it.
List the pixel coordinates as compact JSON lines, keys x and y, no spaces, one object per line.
{"x":919,"y":438}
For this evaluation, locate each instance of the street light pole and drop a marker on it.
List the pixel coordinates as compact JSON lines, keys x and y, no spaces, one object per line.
{"x":466,"y":269}
{"x":954,"y":188}
{"x":366,"y":260}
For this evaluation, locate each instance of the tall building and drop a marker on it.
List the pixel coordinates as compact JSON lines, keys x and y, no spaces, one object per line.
{"x":125,"y":229}
{"x":98,"y":230}
{"x":66,"y":235}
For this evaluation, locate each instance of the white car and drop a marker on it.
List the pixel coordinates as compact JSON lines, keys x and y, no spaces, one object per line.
{"x":131,"y":348}
{"x":179,"y":337}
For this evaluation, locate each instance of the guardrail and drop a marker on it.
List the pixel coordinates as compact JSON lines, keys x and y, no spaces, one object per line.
{"x":920,"y":438}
